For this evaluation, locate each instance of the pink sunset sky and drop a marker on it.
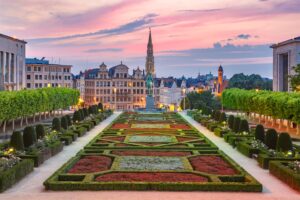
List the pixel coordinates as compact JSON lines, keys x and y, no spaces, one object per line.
{"x":189,"y":36}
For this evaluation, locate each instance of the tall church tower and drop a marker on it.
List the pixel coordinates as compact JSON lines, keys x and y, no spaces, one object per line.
{"x":150,"y":58}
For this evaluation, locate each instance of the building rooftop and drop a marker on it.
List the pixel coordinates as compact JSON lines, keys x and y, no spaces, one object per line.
{"x":12,"y":38}
{"x":296,"y":39}
{"x":36,"y":61}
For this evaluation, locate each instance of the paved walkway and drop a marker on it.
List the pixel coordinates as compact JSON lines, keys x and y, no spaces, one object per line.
{"x":31,"y":187}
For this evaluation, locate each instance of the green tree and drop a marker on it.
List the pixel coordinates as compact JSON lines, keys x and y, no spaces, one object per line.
{"x":295,"y":79}
{"x":186,"y":104}
{"x":253,"y":81}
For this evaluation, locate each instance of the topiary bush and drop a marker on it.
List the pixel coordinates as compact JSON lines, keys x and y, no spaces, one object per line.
{"x":40,"y":131}
{"x":217,"y":115}
{"x":213,"y":113}
{"x":236,"y":124}
{"x":76,"y":116}
{"x":56,"y":125}
{"x":29,"y":136}
{"x":64,"y":122}
{"x":259,"y":132}
{"x":81,"y":114}
{"x":222,"y":117}
{"x":230,"y":121}
{"x":100,"y":106}
{"x":16,"y":141}
{"x":69,"y":120}
{"x":271,"y":138}
{"x":244,"y":126}
{"x":284,"y":143}
{"x":85,"y":112}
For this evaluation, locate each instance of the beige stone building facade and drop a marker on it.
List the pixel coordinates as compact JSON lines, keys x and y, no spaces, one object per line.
{"x":39,"y":74}
{"x":114,"y":87}
{"x":12,"y":63}
{"x":286,"y":55}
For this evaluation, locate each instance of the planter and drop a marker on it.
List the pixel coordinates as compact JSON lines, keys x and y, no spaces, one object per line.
{"x":264,"y":160}
{"x":16,"y":173}
{"x":67,"y":140}
{"x":246,"y":149}
{"x":220,"y":132}
{"x":281,"y":170}
{"x":56,"y":148}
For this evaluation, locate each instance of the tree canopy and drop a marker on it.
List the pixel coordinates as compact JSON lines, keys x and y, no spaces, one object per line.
{"x":205,"y":101}
{"x":252,"y":81}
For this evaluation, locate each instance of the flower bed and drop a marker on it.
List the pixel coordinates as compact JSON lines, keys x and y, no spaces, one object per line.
{"x":151,"y":177}
{"x":90,"y":164}
{"x":151,"y":156}
{"x":212,"y":165}
{"x":151,"y":153}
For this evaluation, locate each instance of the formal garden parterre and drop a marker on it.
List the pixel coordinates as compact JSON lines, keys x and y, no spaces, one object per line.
{"x":155,"y":151}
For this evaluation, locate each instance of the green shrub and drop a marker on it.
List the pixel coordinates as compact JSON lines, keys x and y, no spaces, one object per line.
{"x":100,"y":106}
{"x":217,"y":115}
{"x":69,"y":120}
{"x":64,"y":122}
{"x":213,"y":113}
{"x":236,"y":124}
{"x":56,"y":125}
{"x":76,"y":116}
{"x":16,"y":141}
{"x":230,"y":121}
{"x":40,"y":131}
{"x":244,"y":126}
{"x":271,"y":138}
{"x":29,"y":136}
{"x":260,"y":132}
{"x":81,"y":114}
{"x":284,"y":142}
{"x":85,"y":112}
{"x":222,"y":117}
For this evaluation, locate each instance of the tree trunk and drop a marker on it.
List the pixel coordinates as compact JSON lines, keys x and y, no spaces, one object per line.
{"x":298,"y":129}
{"x":40,"y":116}
{"x":273,"y":121}
{"x":259,"y":118}
{"x":4,"y":126}
{"x":26,"y":120}
{"x":33,"y":118}
{"x":21,"y":124}
{"x":13,"y":124}
{"x":280,"y":123}
{"x":288,"y":126}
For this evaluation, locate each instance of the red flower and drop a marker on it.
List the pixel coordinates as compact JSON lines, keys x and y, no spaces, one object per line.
{"x":152,"y":153}
{"x":90,"y":164}
{"x":151,"y":177}
{"x":181,"y":126}
{"x":212,"y":165}
{"x":120,"y":126}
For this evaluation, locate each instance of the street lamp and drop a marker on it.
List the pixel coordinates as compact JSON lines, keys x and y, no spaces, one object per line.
{"x":183,"y":91}
{"x":115,"y":91}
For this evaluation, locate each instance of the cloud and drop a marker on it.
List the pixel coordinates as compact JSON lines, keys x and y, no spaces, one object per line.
{"x":103,"y":50}
{"x":122,"y":29}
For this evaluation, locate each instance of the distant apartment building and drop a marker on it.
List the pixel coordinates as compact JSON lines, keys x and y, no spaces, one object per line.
{"x":114,"y":87}
{"x":286,"y":55}
{"x":12,"y":63}
{"x":40,"y":73}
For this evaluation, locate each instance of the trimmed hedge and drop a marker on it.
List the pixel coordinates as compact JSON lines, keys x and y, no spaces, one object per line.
{"x":259,"y":133}
{"x":236,"y":124}
{"x":230,"y":121}
{"x":40,"y":131}
{"x":56,"y":124}
{"x":271,"y":138}
{"x":285,"y":174}
{"x":16,"y":141}
{"x":244,"y":126}
{"x":29,"y":136}
{"x":284,"y":143}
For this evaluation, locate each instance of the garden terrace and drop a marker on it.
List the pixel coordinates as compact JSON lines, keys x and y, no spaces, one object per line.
{"x":152,"y":155}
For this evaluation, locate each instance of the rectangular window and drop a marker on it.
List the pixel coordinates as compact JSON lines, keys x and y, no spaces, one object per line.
{"x":28,"y":77}
{"x":45,"y":77}
{"x":28,"y":69}
{"x":41,"y":77}
{"x":28,"y":85}
{"x":36,"y":77}
{"x":6,"y":67}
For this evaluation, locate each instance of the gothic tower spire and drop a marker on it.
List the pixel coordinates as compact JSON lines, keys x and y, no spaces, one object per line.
{"x":150,"y":58}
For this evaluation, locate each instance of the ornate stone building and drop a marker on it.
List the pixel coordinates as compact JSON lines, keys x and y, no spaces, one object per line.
{"x":114,"y":87}
{"x":12,"y":63}
{"x":286,"y":55}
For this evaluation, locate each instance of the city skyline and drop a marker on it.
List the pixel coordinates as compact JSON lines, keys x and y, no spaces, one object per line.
{"x":188,"y":39}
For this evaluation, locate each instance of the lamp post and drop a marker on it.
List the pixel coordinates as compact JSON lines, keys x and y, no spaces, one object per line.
{"x":183,"y":91}
{"x":115,"y":91}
